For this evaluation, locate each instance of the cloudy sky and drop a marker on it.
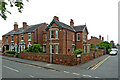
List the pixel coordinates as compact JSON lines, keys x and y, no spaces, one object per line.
{"x":100,"y":16}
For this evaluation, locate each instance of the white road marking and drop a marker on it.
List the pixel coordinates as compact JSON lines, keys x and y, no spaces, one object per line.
{"x":76,"y":73}
{"x":66,"y":72}
{"x":48,"y":64}
{"x":87,"y":75}
{"x":31,"y":76}
{"x":11,"y":68}
{"x":96,"y":77}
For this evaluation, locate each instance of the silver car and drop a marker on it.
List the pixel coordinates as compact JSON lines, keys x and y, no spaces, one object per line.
{"x":113,"y":52}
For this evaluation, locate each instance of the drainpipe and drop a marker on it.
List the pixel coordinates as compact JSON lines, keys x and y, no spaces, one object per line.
{"x":51,"y":57}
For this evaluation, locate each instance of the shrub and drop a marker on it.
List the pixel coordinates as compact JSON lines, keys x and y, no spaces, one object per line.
{"x":34,"y":48}
{"x":78,"y":51}
{"x":11,"y":52}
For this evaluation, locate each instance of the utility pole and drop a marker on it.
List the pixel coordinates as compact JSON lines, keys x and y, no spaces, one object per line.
{"x":107,"y":38}
{"x":50,"y":49}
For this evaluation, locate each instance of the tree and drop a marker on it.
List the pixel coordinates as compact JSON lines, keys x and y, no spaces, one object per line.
{"x":12,"y":3}
{"x":104,"y":45}
{"x":92,"y":47}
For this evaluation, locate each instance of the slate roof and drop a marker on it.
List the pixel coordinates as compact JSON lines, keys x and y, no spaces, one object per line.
{"x":28,"y":29}
{"x":79,"y":28}
{"x":66,"y":26}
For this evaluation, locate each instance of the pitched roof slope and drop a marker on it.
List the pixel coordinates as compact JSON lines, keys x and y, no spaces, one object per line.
{"x":79,"y":28}
{"x":28,"y":29}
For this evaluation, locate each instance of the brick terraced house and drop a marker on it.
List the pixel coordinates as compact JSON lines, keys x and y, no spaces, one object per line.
{"x":96,"y":40}
{"x":57,"y":37}
{"x":21,"y":38}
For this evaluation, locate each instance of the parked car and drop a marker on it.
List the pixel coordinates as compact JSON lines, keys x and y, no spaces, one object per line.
{"x":113,"y":52}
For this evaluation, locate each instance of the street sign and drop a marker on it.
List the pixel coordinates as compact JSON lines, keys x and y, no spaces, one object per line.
{"x":97,"y":47}
{"x":78,"y":55}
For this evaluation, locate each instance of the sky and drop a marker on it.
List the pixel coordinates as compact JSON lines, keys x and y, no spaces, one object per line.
{"x":100,"y":16}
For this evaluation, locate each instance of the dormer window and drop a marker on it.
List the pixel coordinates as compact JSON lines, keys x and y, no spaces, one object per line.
{"x":22,"y":37}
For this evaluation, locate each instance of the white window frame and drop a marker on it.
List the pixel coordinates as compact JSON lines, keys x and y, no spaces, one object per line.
{"x":73,"y":37}
{"x":51,"y":47}
{"x":78,"y":36}
{"x":56,"y":49}
{"x":72,"y":48}
{"x":51,"y":34}
{"x":45,"y":37}
{"x":6,"y":38}
{"x":44,"y":48}
{"x":84,"y":37}
{"x":12,"y":38}
{"x":29,"y":36}
{"x":88,"y":49}
{"x":56,"y":34}
{"x":22,"y":35}
{"x":84,"y":49}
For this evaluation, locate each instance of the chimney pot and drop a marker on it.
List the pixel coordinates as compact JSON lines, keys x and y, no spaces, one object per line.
{"x":71,"y":22}
{"x":56,"y":18}
{"x":100,"y":37}
{"x":24,"y":25}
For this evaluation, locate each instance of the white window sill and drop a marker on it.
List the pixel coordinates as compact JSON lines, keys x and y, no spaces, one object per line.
{"x":29,"y":40}
{"x":12,"y":41}
{"x":54,"y":39}
{"x":22,"y":40}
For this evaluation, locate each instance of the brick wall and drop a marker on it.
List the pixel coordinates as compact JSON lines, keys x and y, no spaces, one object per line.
{"x":70,"y":60}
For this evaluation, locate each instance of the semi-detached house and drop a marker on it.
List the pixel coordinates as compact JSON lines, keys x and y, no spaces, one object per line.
{"x":56,"y":38}
{"x":21,"y":38}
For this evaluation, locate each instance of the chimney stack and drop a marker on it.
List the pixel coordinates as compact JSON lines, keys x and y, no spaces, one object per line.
{"x":100,"y":37}
{"x":71,"y":23}
{"x":24,"y":25}
{"x":15,"y":26}
{"x":56,"y":18}
{"x":91,"y":37}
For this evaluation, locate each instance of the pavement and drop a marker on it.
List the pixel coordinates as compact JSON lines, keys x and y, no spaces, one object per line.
{"x":57,"y":67}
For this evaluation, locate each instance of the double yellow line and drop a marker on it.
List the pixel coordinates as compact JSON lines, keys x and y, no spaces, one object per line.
{"x":96,"y":66}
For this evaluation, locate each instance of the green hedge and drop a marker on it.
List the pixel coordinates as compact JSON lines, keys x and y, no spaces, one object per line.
{"x":12,"y":52}
{"x":78,"y":51}
{"x":36,"y":48}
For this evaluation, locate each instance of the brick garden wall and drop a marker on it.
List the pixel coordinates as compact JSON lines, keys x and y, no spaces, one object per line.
{"x":70,"y":60}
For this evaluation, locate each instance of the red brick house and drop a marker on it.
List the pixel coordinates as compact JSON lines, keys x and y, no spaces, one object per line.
{"x":95,"y":40}
{"x":21,"y":38}
{"x":60,"y":38}
{"x":57,"y":37}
